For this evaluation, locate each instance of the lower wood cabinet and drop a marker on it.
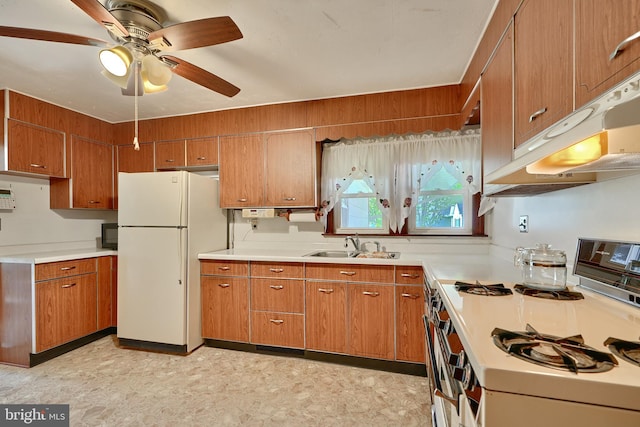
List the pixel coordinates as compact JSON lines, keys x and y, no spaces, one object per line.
{"x":410,"y":343}
{"x":326,"y":315}
{"x":277,"y":329}
{"x":371,"y":320}
{"x":225,"y":308}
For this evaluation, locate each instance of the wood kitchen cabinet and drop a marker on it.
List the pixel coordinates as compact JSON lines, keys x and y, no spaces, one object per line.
{"x":291,"y":169}
{"x":130,"y":160}
{"x":105,"y":295}
{"x":241,"y":171}
{"x":170,"y":154}
{"x":65,"y":302}
{"x":326,"y":316}
{"x":410,"y":343}
{"x":202,"y":152}
{"x":277,"y":304}
{"x":225,"y":300}
{"x":370,"y":315}
{"x":497,"y":106}
{"x":601,"y":28}
{"x":273,"y":169}
{"x":543,"y":58}
{"x":35,"y":149}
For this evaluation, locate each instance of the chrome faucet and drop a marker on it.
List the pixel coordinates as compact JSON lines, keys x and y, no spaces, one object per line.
{"x":355,"y":240}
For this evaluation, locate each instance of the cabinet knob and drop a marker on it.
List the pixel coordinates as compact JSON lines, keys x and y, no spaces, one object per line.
{"x":412,"y":296}
{"x":94,"y":202}
{"x":201,"y":158}
{"x":412,"y":276}
{"x":276,"y":321}
{"x":348,"y":273}
{"x":623,"y":45}
{"x":276,"y":287}
{"x":325,"y":290}
{"x":537,"y":114}
{"x":224,"y":268}
{"x":242,"y":200}
{"x":289,"y":199}
{"x":224,"y":285}
{"x":371,"y":294}
{"x":36,"y":165}
{"x":70,"y":285}
{"x":276,"y":270}
{"x":67,"y":268}
{"x":169,"y":160}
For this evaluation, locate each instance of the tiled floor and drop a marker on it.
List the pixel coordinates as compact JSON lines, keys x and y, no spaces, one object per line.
{"x":109,"y":386}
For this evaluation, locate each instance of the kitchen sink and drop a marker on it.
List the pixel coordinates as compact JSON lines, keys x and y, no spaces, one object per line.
{"x":355,"y":254}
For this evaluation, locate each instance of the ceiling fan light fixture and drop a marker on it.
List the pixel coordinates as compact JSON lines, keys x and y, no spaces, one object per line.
{"x":121,"y":81}
{"x":155,"y":71}
{"x":150,"y":87}
{"x":116,"y":60}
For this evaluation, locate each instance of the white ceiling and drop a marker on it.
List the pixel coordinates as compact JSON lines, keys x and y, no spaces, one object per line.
{"x":292,"y":50}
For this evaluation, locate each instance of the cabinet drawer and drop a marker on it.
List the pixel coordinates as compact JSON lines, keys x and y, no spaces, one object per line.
{"x":52,"y":270}
{"x":292,"y":270}
{"x":409,"y":275}
{"x":351,"y":272}
{"x":285,"y":295}
{"x":224,"y":268}
{"x":278,"y":329}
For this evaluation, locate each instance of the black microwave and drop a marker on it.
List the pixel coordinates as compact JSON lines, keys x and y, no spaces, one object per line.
{"x":110,"y":235}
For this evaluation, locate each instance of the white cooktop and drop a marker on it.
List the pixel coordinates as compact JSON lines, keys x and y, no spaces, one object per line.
{"x":596,"y":318}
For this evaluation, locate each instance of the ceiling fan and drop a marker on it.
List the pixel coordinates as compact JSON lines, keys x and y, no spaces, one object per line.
{"x":138,"y":63}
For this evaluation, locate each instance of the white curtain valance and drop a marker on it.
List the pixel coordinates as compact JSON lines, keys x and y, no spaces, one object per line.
{"x":396,"y":167}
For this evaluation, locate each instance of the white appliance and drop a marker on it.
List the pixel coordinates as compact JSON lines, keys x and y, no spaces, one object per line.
{"x":164,"y":220}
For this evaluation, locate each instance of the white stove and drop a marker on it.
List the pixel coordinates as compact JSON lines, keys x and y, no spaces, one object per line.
{"x":476,"y":383}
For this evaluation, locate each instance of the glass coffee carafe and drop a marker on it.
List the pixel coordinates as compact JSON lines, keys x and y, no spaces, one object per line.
{"x":542,"y":267}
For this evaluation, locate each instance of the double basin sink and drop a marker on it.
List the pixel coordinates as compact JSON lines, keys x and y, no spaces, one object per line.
{"x":354,"y":254}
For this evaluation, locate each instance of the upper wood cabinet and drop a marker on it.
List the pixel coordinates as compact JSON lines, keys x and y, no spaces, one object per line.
{"x":241,"y":171}
{"x":497,"y":106}
{"x":202,"y":151}
{"x":543,"y":37}
{"x":35,"y":149}
{"x":128,"y":159}
{"x":170,"y":154}
{"x":603,"y":58}
{"x":291,"y":169}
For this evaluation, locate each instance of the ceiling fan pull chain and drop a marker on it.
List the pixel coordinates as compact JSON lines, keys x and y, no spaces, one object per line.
{"x":136,"y":146}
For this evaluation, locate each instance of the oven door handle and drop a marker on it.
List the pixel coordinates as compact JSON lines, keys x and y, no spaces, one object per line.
{"x":437,"y":386}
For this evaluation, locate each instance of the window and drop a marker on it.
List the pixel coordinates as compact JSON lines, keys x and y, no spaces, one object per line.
{"x":417,"y":184}
{"x":359,"y":210}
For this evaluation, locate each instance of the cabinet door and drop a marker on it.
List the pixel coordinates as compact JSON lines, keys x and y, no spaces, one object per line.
{"x":278,"y":329}
{"x":497,"y":107}
{"x":241,"y":171}
{"x":105,"y":304}
{"x":543,"y":65}
{"x":130,"y":160}
{"x":410,"y":342}
{"x":614,"y":21}
{"x":371,"y":317}
{"x":202,"y":152}
{"x":291,"y":169}
{"x":170,"y":154}
{"x":35,"y":149}
{"x":326,"y":316}
{"x":92,"y":174}
{"x":65,"y":310}
{"x":225,"y":308}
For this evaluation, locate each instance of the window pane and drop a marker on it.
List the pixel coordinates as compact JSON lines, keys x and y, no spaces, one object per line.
{"x":360,"y":212}
{"x":358,"y":186}
{"x":442,"y":180}
{"x":439,"y":211}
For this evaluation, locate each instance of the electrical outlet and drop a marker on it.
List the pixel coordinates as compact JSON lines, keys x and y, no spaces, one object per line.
{"x":523,"y":225}
{"x":254,"y":223}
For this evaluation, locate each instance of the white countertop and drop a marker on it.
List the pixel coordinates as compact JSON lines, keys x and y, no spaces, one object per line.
{"x":54,"y":256}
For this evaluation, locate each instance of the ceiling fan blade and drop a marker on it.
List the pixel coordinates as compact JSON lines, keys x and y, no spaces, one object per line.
{"x":102,"y":16}
{"x":202,"y":77}
{"x":199,"y":33}
{"x":49,"y":36}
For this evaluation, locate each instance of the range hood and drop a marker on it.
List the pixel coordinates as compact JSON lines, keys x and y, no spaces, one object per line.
{"x":600,"y":139}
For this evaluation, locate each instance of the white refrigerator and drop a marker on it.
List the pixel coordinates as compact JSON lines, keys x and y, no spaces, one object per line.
{"x":165,"y":219}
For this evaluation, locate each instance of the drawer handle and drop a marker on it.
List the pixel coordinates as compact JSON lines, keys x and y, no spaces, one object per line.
{"x":276,"y":321}
{"x":276,"y":270}
{"x":371,"y":294}
{"x":225,"y":268}
{"x":169,"y":160}
{"x":67,"y":268}
{"x":623,"y":44}
{"x":224,"y":285}
{"x":347,"y":273}
{"x":242,"y":200}
{"x":325,"y":291}
{"x":537,"y":114}
{"x":36,"y":165}
{"x":289,"y":199}
{"x":201,"y":158}
{"x":412,"y":296}
{"x":94,"y":202}
{"x":412,"y":276}
{"x":70,"y":285}
{"x":276,"y":287}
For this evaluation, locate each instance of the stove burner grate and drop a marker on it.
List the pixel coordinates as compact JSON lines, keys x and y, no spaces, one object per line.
{"x":479,"y":289}
{"x":627,"y":350}
{"x":569,"y":354}
{"x":548,"y":294}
